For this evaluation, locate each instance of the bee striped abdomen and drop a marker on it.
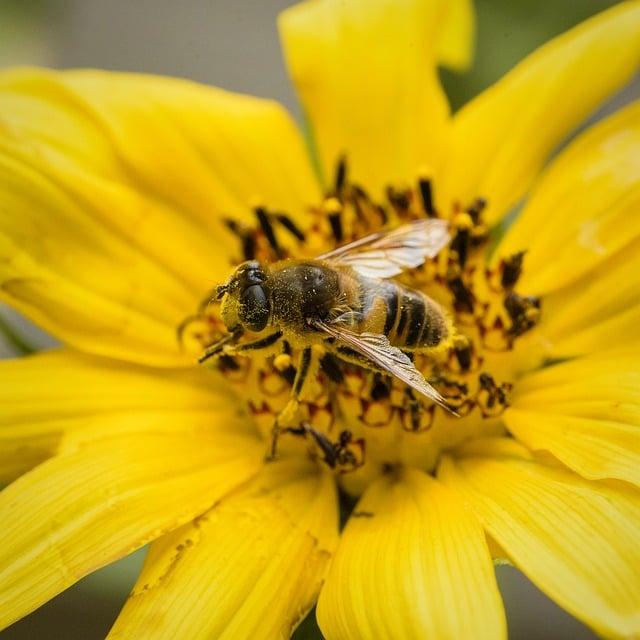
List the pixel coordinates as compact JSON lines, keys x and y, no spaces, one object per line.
{"x":419,"y":322}
{"x":410,"y":320}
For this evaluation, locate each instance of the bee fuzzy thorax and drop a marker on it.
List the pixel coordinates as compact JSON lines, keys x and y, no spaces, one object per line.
{"x":375,"y":336}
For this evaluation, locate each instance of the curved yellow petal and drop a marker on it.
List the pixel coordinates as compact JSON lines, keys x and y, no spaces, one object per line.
{"x":584,"y":208}
{"x":501,"y":139}
{"x":586,"y":412}
{"x":45,"y":398}
{"x":100,"y":500}
{"x":599,"y":311}
{"x":576,"y":540}
{"x":412,"y":563}
{"x":366,"y":75}
{"x":112,"y":196}
{"x":595,"y":449}
{"x":249,"y":568}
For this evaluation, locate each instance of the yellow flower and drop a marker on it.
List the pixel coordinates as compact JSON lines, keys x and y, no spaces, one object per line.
{"x":124,"y":199}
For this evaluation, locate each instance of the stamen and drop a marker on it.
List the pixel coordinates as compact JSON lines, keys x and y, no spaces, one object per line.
{"x":290,"y":226}
{"x":524,"y":312}
{"x":341,"y":174}
{"x":247,"y":238}
{"x":426,"y":193}
{"x":267,"y":229}
{"x":511,"y":270}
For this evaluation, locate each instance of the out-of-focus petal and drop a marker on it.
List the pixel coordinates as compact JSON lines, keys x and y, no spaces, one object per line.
{"x":412,"y":563}
{"x":502,"y":138}
{"x":47,"y":398}
{"x":367,"y":78}
{"x":576,"y":540}
{"x":584,"y":209}
{"x":100,"y":499}
{"x":586,"y":412}
{"x":112,"y":198}
{"x":249,"y":568}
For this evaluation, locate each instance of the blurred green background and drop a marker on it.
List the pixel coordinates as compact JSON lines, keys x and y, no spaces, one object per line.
{"x":233,"y":44}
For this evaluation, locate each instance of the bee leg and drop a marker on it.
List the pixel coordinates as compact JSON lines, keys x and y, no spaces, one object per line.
{"x":217,"y":348}
{"x":255,"y":345}
{"x":287,"y":414}
{"x":415,"y":409}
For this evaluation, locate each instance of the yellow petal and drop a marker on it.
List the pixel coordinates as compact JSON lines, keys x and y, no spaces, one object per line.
{"x":98,"y":501}
{"x":46,"y":398}
{"x":576,"y":540}
{"x":598,"y":311}
{"x":412,"y":563}
{"x":113,"y":191}
{"x":366,"y":75}
{"x":584,"y":208}
{"x":595,"y":449}
{"x":250,"y":568}
{"x":501,"y":139}
{"x":586,"y":412}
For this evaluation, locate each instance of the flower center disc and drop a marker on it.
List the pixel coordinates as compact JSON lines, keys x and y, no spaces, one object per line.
{"x":363,"y":423}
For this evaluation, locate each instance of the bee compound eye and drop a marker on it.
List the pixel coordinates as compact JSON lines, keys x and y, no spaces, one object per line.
{"x":254,"y":308}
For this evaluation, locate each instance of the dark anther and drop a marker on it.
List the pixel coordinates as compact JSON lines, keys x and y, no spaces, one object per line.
{"x":335,"y":220}
{"x":460,"y":244}
{"x":247,"y":238}
{"x":463,"y":299}
{"x":288,"y":374}
{"x":233,"y":226}
{"x":227,"y":363}
{"x":381,"y":388}
{"x":511,"y":269}
{"x":325,"y":445}
{"x":489,"y":385}
{"x":341,"y":174}
{"x":415,"y":410}
{"x":476,"y":208}
{"x":249,"y":247}
{"x":486,"y":380}
{"x":331,"y":367}
{"x":335,"y":453}
{"x":463,"y":355}
{"x":496,"y":399}
{"x":400,"y":199}
{"x":426,"y":194}
{"x":267,"y":229}
{"x":382,"y":212}
{"x":524,"y":312}
{"x":290,"y":226}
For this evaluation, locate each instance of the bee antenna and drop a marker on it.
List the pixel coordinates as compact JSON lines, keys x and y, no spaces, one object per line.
{"x":221,"y":290}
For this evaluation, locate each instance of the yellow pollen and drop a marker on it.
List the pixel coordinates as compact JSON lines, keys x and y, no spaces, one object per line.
{"x":282,"y":362}
{"x":463,"y":221}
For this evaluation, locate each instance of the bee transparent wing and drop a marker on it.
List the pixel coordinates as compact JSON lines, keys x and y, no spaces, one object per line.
{"x":377,"y":348}
{"x":388,"y":253}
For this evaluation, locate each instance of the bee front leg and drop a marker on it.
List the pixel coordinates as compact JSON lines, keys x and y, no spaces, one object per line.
{"x":286,"y":417}
{"x":255,"y":345}
{"x":217,"y":349}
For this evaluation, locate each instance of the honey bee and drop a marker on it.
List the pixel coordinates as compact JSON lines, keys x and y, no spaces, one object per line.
{"x":345,"y":301}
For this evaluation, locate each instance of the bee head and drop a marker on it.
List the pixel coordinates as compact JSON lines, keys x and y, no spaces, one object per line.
{"x":245,"y":297}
